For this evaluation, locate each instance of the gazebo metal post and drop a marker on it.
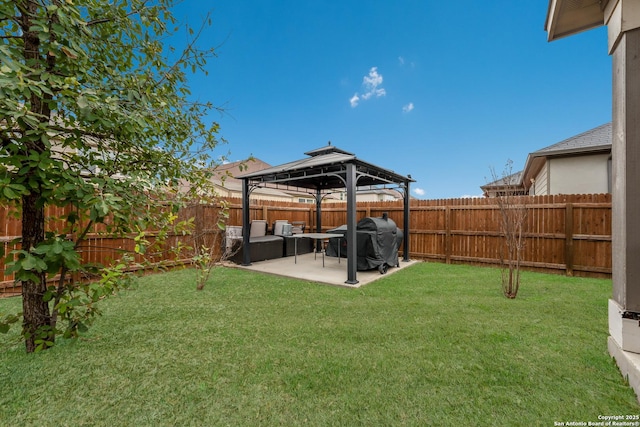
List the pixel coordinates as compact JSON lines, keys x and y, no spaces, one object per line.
{"x":318,"y":218}
{"x":352,"y":250}
{"x":246,"y":227}
{"x":405,"y":240}
{"x":318,"y":211}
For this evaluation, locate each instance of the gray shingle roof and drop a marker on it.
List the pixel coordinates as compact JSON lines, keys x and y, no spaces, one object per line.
{"x":506,"y":181}
{"x":591,"y":140}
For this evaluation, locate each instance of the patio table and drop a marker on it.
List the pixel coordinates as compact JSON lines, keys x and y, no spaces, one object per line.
{"x":315,"y":236}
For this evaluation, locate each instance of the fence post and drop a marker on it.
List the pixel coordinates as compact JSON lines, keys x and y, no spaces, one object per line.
{"x":447,"y":234}
{"x":198,"y":228}
{"x":568,"y":234}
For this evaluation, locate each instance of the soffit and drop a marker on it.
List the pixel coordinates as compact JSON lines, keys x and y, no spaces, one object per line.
{"x":567,"y":17}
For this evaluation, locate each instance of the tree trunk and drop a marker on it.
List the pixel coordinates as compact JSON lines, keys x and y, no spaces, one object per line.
{"x":36,"y":314}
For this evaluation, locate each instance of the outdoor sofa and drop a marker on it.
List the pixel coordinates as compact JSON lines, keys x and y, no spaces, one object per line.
{"x":264,"y":246}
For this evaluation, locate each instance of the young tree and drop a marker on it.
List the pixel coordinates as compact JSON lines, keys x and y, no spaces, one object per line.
{"x":513,"y":216}
{"x":95,"y":116}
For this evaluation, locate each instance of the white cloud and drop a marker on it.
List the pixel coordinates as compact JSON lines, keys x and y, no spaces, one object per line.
{"x":354,"y":100}
{"x":403,"y":62}
{"x":419,"y":191}
{"x":407,"y":108}
{"x":371,"y":84}
{"x":373,"y":80}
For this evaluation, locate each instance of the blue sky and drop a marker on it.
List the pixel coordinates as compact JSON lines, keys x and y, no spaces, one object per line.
{"x":441,"y":90}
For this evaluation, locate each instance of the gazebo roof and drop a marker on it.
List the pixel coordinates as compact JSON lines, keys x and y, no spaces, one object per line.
{"x":324,"y":169}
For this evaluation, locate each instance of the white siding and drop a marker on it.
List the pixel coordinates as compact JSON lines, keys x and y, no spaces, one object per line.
{"x":542,"y":181}
{"x":367,"y":197}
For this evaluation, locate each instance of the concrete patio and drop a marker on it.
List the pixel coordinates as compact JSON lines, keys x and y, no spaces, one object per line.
{"x":309,"y":267}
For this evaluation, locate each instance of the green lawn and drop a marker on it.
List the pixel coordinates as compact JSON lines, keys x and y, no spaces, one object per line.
{"x":433,"y":344}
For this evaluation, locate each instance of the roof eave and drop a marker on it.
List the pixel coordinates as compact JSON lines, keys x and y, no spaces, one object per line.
{"x":532,"y":168}
{"x":536,"y":160}
{"x":565,"y":18}
{"x":569,"y":151}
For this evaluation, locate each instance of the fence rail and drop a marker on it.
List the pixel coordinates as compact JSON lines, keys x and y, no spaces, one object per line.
{"x":564,"y":234}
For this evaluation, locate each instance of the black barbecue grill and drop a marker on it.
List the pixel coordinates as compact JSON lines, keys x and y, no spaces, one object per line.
{"x":377,"y":239}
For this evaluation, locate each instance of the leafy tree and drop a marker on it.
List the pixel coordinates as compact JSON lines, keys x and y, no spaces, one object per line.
{"x":96,"y":116}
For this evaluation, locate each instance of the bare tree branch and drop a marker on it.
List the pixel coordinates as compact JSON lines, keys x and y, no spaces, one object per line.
{"x":185,"y":53}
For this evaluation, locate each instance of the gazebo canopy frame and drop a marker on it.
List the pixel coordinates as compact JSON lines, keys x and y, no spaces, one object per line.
{"x":327,"y":168}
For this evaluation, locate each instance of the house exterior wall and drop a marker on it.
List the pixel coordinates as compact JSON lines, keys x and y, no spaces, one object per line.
{"x":374,"y":197}
{"x":226,"y":193}
{"x":577,"y":175}
{"x":257,"y":196}
{"x":541,"y":185}
{"x":301,"y":199}
{"x":367,"y":197}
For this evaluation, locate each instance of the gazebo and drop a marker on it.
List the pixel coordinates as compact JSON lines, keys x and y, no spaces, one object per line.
{"x":326,"y":169}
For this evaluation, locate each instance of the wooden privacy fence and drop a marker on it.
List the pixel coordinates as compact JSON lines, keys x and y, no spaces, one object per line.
{"x":565,"y":234}
{"x":99,"y":247}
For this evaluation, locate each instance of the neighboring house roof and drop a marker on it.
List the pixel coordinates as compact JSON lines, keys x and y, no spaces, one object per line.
{"x":227,"y":179}
{"x":234,"y":185}
{"x":240,"y":167}
{"x":511,"y":183}
{"x":227,"y":173}
{"x":596,"y":140}
{"x":505,"y":181}
{"x":593,"y":141}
